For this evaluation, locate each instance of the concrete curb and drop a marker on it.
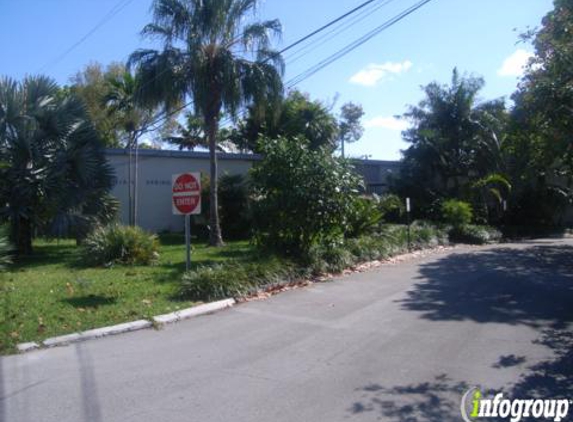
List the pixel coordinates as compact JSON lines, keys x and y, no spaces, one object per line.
{"x":141,"y":324}
{"x":96,"y":333}
{"x":27,"y":347}
{"x":193,"y":312}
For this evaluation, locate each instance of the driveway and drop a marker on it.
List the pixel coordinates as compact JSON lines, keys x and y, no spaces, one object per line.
{"x":398,"y":343}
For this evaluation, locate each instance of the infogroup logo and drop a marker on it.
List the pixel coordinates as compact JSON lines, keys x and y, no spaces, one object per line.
{"x":475,"y":407}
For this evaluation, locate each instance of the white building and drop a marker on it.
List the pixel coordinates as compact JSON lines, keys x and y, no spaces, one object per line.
{"x":155,"y":168}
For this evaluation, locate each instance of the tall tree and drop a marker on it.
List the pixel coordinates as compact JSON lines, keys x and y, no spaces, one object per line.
{"x":349,"y":127}
{"x":120,"y":96}
{"x":212,"y":55}
{"x":296,"y":117}
{"x":544,"y":100}
{"x":54,"y":160}
{"x":191,"y":135}
{"x":454,"y":140}
{"x":91,"y":85}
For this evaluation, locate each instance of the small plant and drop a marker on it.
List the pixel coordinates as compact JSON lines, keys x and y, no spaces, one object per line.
{"x":234,"y":204}
{"x":5,"y":248}
{"x":474,"y":235}
{"x":120,"y":244}
{"x":363,"y":218}
{"x":392,"y":208}
{"x":234,"y":279}
{"x":457,"y":213}
{"x":330,"y":258}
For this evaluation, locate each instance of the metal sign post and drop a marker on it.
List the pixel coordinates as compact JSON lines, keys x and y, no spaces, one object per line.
{"x":186,"y":200}
{"x":408,"y":222}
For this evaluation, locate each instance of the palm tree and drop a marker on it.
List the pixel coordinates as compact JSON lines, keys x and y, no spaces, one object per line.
{"x":135,"y":121}
{"x":54,"y":162}
{"x":211,"y":55}
{"x":453,"y":136}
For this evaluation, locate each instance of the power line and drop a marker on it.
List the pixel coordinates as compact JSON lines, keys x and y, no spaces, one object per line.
{"x":350,"y":47}
{"x":287,"y":48}
{"x":355,"y":44}
{"x":122,"y":4}
{"x":334,"y":32}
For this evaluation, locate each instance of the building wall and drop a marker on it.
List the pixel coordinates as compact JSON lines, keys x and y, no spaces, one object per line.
{"x":155,"y":168}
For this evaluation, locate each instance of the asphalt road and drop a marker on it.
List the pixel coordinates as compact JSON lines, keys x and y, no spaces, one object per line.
{"x":398,"y":343}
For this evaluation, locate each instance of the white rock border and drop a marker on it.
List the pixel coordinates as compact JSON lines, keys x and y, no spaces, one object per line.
{"x":141,"y":324}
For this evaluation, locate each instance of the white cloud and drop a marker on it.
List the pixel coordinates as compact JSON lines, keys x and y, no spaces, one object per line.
{"x":374,"y":73}
{"x":391,"y":123}
{"x":514,"y":65}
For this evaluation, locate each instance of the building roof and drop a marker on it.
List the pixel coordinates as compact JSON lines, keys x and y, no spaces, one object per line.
{"x":226,"y":156}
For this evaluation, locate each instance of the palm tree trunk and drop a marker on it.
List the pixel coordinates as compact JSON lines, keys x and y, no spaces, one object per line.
{"x":23,"y":235}
{"x":129,"y":190}
{"x":215,"y":238}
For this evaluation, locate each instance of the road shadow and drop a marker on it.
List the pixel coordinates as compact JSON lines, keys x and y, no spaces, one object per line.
{"x":439,"y":400}
{"x":551,"y":378}
{"x":531,"y":286}
{"x":434,"y":401}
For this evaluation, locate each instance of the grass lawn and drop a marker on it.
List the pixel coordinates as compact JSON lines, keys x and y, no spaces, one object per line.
{"x":51,"y":293}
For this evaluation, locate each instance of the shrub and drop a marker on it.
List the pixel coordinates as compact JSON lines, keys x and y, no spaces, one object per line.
{"x":304,"y":196}
{"x":5,"y":247}
{"x":363,"y":218}
{"x":234,"y":279}
{"x":331,"y":258}
{"x":457,"y":213}
{"x":234,"y":207}
{"x":474,"y":235}
{"x":238,"y":279}
{"x":120,"y":244}
{"x":392,"y":208}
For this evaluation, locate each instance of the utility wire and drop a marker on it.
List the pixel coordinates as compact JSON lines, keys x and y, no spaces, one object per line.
{"x":122,"y":4}
{"x":334,"y":32}
{"x":349,"y":48}
{"x":287,"y":48}
{"x":354,"y":45}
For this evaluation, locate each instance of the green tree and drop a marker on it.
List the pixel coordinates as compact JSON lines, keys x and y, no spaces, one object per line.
{"x":304,"y":196}
{"x":55,"y":167}
{"x":212,"y":55}
{"x":91,"y":85}
{"x":191,"y":135}
{"x":349,"y":127}
{"x":544,"y":100}
{"x":454,"y":141}
{"x":133,"y":120}
{"x":296,"y":117}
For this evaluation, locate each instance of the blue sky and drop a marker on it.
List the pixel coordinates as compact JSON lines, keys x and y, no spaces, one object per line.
{"x":384,"y":75}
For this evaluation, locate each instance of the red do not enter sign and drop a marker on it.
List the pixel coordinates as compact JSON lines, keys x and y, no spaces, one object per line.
{"x":186,"y":193}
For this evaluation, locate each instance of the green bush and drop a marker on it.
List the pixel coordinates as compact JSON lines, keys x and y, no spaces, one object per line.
{"x":390,"y":240}
{"x":239,"y":279}
{"x":392,"y":208}
{"x":303,"y":196}
{"x":5,"y":247}
{"x":474,"y":235}
{"x":234,"y":209}
{"x":457,"y":213}
{"x":234,"y":279}
{"x":363,"y":218}
{"x":330,"y":258}
{"x":121,"y":245}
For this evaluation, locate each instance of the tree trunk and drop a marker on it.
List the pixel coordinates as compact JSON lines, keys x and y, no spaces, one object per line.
{"x":23,"y":236}
{"x":215,"y":238}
